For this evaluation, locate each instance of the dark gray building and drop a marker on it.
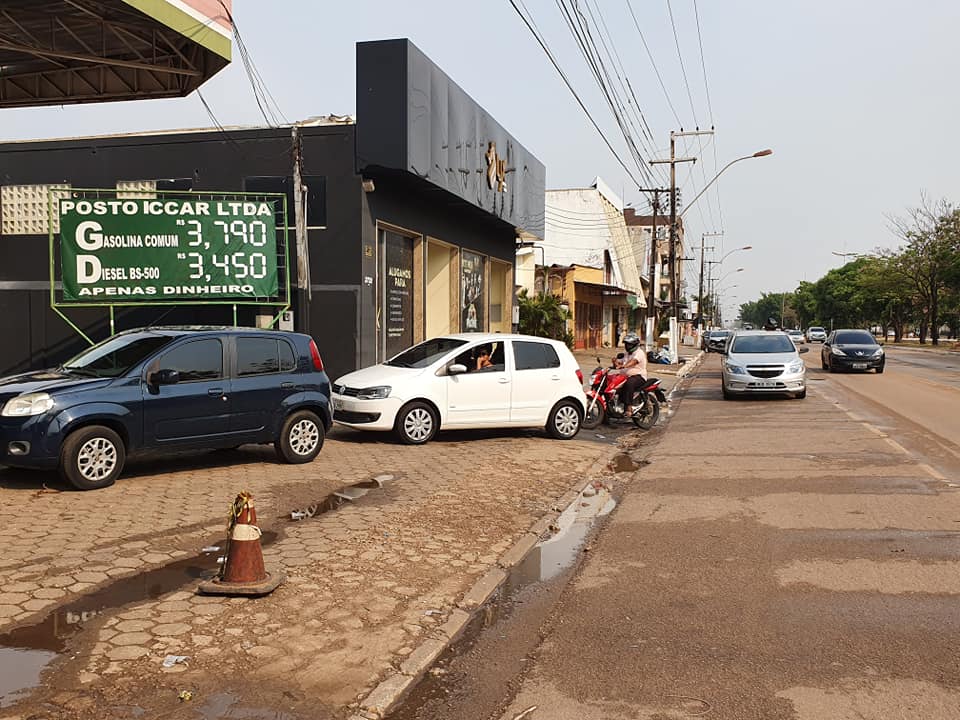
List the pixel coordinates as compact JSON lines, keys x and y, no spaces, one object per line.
{"x":405,"y":227}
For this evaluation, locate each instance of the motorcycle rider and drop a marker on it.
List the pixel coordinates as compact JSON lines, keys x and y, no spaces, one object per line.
{"x":634,"y":366}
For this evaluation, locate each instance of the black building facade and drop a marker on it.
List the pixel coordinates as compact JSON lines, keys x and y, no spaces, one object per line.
{"x":402,"y":225}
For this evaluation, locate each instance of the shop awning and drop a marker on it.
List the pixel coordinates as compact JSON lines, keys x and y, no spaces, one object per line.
{"x":632,"y":299}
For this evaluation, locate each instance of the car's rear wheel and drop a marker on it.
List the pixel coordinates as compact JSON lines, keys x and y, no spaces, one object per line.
{"x":416,"y":423}
{"x":565,"y":420}
{"x":92,"y":457}
{"x":301,"y":438}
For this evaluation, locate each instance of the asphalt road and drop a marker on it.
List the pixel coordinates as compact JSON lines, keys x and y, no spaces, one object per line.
{"x":776,"y":559}
{"x":920,"y":387}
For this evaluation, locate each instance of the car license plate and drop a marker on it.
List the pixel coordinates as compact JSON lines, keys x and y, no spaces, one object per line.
{"x":859,"y":366}
{"x":765,"y":384}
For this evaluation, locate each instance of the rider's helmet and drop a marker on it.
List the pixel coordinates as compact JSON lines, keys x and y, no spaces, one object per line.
{"x":631,"y":342}
{"x":771,"y":324}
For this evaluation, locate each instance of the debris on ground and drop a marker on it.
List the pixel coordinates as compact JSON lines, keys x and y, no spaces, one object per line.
{"x":170,"y":660}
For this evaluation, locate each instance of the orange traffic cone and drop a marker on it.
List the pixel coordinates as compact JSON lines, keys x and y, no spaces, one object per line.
{"x":243,"y":573}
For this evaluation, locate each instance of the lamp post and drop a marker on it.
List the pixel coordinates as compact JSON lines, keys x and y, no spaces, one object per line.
{"x":758,"y":154}
{"x":543,"y":256}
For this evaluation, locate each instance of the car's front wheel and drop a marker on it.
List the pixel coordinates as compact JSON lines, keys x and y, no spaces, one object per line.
{"x":880,"y":367}
{"x":565,"y":419}
{"x":301,"y":438}
{"x":416,"y":423}
{"x":92,"y":457}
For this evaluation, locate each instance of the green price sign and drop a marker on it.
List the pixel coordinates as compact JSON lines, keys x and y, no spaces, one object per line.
{"x":128,"y":250}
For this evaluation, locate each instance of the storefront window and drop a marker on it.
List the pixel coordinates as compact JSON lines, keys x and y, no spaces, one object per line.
{"x":396,"y":292}
{"x":442,"y":307}
{"x":501,"y":293}
{"x":472,"y":277}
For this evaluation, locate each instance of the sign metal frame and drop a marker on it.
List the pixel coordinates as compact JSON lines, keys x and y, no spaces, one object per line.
{"x":282,"y":302}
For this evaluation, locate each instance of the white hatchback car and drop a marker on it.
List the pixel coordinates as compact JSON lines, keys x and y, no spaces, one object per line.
{"x":451,"y":383}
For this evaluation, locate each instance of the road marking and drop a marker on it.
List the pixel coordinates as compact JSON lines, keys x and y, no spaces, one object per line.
{"x":932,"y":472}
{"x":896,"y":446}
{"x":876,"y":431}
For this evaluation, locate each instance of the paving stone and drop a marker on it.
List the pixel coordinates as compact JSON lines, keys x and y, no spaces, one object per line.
{"x":58,"y":581}
{"x":9,"y":611}
{"x":133,"y":625}
{"x":171,"y":629}
{"x":128,"y":652}
{"x":34,"y":605}
{"x":130,"y":638}
{"x":11,"y":598}
{"x":90,"y":577}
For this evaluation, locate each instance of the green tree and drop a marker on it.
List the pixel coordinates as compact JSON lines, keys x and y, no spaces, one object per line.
{"x":544,"y":316}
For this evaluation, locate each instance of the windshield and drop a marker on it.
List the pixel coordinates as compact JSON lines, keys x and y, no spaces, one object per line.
{"x":426,"y":353}
{"x":772,"y":343}
{"x":815,"y":329}
{"x":854,"y":337}
{"x":719,"y":333}
{"x":114,"y":357}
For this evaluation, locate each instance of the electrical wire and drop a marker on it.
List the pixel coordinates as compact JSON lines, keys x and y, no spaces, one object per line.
{"x":706,"y":88}
{"x":654,"y":64}
{"x":542,"y":42}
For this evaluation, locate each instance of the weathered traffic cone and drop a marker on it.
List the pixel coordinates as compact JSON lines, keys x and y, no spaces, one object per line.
{"x":243,"y":573}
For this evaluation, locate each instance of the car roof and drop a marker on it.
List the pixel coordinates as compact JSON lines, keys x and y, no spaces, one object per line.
{"x":757,"y":332}
{"x":177,"y":330}
{"x":495,"y":337}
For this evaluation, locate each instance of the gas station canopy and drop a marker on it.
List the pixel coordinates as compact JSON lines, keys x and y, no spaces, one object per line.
{"x":57,"y":52}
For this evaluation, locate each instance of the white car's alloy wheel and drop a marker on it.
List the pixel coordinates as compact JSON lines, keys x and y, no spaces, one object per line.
{"x":418,"y":424}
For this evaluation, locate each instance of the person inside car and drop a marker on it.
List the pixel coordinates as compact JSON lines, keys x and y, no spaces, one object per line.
{"x":483,"y":358}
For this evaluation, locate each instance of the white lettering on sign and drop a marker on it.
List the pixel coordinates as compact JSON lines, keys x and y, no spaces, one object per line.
{"x":224,"y":208}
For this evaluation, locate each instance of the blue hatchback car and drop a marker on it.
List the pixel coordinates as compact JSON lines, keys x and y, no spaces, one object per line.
{"x":182,"y":388}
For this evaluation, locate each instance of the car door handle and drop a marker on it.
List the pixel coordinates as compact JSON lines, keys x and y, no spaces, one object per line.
{"x":286,"y":385}
{"x":503,"y":381}
{"x":554,"y":377}
{"x":215,"y":392}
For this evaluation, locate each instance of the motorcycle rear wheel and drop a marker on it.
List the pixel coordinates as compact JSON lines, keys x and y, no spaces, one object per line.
{"x":648,"y":416}
{"x":594,"y":417}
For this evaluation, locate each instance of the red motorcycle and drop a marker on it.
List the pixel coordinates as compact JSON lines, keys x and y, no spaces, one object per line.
{"x":603,"y":400}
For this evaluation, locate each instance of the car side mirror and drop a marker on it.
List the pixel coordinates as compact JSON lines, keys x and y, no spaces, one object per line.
{"x":165,"y":377}
{"x":803,"y":350}
{"x":456,"y":369}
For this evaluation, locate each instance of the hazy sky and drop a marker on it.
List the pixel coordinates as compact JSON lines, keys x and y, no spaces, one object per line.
{"x":855,"y":97}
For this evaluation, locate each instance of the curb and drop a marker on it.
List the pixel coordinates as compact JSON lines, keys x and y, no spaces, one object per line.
{"x":392,"y":689}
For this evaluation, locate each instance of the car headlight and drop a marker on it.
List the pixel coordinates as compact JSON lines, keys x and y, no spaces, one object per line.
{"x":26,"y":405}
{"x":795,"y":366}
{"x":837,"y":351}
{"x":374,"y":393}
{"x":735,"y":369}
{"x":878,"y":353}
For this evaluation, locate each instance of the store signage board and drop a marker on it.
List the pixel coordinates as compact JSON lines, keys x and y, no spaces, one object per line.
{"x":149,"y":250}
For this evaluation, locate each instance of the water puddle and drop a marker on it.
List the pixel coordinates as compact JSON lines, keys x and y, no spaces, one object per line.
{"x":559,"y":552}
{"x":348,"y":493}
{"x":481,"y":666}
{"x":26,"y":650}
{"x":623,"y":462}
{"x":227,"y":705}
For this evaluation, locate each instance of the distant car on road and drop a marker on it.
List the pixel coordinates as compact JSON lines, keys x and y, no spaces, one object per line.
{"x":715,"y":340}
{"x":763,"y":362}
{"x":473,"y":380}
{"x":816,"y":334}
{"x":852,"y":350}
{"x":163,"y":389}
{"x":796,"y":336}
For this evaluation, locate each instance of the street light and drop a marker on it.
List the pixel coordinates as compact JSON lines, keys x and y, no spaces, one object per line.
{"x":759,"y":153}
{"x":523,"y":244}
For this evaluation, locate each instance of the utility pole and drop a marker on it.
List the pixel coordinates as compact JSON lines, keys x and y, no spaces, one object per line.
{"x":700,"y":290}
{"x":674,"y":277}
{"x":654,"y":256}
